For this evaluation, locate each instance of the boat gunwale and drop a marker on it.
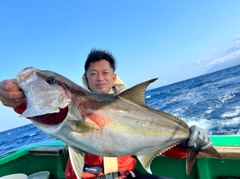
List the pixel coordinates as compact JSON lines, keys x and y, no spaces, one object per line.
{"x":229,"y":142}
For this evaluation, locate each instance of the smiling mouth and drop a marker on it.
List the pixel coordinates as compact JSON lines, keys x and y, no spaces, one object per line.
{"x":100,"y":85}
{"x":51,"y":119}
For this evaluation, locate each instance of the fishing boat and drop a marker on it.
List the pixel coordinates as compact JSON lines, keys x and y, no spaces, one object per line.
{"x":50,"y":156}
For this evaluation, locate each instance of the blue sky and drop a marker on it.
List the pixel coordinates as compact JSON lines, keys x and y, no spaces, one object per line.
{"x":172,"y":40}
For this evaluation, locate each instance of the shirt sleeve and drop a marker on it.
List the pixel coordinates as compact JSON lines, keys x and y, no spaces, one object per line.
{"x":69,"y":172}
{"x":176,"y":152}
{"x":21,"y":108}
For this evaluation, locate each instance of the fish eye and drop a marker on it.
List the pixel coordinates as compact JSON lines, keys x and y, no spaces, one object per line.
{"x":50,"y":80}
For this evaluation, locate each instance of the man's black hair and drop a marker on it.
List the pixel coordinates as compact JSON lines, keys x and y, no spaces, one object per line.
{"x":97,"y":55}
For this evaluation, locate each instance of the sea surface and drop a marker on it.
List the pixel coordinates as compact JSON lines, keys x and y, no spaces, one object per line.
{"x":211,"y":101}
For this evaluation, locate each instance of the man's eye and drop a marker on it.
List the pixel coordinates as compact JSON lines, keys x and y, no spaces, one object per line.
{"x":50,"y":80}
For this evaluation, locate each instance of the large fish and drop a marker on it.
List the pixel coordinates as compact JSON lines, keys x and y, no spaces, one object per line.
{"x":101,"y":124}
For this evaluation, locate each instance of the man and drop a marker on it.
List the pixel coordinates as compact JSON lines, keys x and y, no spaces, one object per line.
{"x":100,"y":77}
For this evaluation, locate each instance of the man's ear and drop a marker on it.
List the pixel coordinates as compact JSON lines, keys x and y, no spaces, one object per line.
{"x":115,"y":76}
{"x":85,"y":76}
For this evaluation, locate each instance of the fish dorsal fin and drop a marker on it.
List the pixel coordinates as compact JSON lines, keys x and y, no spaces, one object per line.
{"x":77,"y":160}
{"x":170,"y":116}
{"x":136,"y":94}
{"x":146,"y":160}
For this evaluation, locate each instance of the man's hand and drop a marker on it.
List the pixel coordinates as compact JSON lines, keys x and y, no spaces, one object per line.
{"x":10,"y":93}
{"x":199,"y":139}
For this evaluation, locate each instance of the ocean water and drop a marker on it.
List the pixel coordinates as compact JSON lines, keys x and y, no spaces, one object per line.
{"x":211,"y":101}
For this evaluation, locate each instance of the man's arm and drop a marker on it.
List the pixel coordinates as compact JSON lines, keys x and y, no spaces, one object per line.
{"x":198,"y":140}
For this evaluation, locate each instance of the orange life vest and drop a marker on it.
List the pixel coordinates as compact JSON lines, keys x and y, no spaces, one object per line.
{"x":124,"y":163}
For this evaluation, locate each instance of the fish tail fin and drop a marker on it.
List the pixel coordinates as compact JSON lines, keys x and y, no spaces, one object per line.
{"x":212,"y":151}
{"x":192,"y":155}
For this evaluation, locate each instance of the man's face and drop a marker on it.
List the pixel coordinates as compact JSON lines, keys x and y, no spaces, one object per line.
{"x":100,"y":76}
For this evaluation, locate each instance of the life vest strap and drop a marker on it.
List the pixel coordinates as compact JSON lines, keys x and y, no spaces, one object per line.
{"x":110,"y":164}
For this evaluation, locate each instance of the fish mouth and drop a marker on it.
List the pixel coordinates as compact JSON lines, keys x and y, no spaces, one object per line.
{"x":51,"y":119}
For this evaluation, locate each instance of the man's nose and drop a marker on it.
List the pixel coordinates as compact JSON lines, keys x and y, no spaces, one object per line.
{"x":100,"y":76}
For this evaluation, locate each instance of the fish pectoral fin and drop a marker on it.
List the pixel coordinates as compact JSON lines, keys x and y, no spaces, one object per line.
{"x":83,"y":126}
{"x":77,"y":160}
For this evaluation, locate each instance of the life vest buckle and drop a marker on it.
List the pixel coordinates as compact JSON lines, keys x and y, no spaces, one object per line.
{"x":114,"y":175}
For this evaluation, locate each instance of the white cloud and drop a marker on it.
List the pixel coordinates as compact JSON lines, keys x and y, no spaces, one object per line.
{"x":225,"y":58}
{"x":237,"y":39}
{"x":202,"y":60}
{"x":231,"y":54}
